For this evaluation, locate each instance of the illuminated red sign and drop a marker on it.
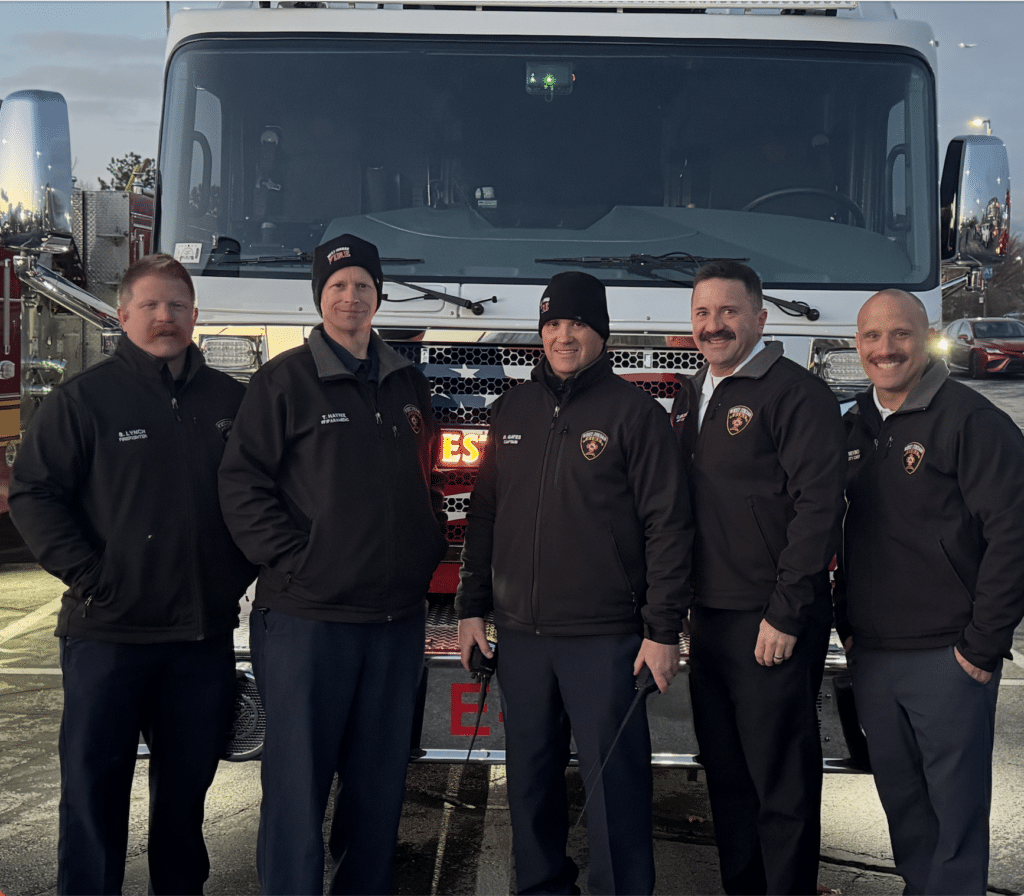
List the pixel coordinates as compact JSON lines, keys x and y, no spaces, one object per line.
{"x":462,"y":447}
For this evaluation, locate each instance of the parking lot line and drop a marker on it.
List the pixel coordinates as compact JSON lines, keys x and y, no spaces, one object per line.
{"x":29,"y":621}
{"x":494,"y":868}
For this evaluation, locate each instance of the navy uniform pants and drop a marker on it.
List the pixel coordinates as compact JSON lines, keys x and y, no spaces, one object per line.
{"x":179,"y":696}
{"x":339,"y":698}
{"x":930,"y":729}
{"x":757,"y":730}
{"x":551,"y":689}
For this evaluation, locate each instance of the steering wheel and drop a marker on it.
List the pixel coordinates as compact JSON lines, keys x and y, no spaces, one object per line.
{"x":845,"y":202}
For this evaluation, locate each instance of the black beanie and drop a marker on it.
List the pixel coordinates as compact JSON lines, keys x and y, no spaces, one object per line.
{"x":574,"y":295}
{"x":342,"y":252}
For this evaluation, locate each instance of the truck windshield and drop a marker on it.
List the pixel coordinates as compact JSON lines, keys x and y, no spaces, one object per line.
{"x":466,"y":160}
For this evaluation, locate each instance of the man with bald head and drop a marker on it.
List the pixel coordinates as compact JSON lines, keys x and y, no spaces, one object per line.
{"x":932,"y":588}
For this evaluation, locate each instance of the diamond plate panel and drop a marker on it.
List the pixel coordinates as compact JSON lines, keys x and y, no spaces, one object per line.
{"x":104,"y":244}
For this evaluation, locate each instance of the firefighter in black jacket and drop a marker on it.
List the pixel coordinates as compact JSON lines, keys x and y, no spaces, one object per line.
{"x":932,"y":590}
{"x":578,"y":537}
{"x":115,"y":492}
{"x":764,"y":442}
{"x":327,"y":485}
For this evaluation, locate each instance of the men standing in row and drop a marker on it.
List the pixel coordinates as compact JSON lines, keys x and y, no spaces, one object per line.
{"x":764,"y":442}
{"x":932,"y":590}
{"x":326,"y":484}
{"x":578,"y":538}
{"x":115,"y":492}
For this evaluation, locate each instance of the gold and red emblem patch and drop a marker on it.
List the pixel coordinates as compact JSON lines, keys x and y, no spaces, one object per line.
{"x":912,"y":456}
{"x":340,"y":252}
{"x":415,"y":418}
{"x":737,"y":419}
{"x":592,"y":443}
{"x":545,"y":303}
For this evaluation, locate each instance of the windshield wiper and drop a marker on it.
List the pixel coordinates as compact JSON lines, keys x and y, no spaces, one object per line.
{"x":643,"y":265}
{"x":220,"y":257}
{"x":476,"y":307}
{"x":640,"y":263}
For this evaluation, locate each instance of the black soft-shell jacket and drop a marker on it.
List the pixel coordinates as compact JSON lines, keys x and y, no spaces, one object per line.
{"x":115,"y":492}
{"x":579,"y":523}
{"x":327,"y":485}
{"x":767,"y":473}
{"x":933,"y":553}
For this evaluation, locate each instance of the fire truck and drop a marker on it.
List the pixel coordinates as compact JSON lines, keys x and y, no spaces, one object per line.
{"x":484,"y":147}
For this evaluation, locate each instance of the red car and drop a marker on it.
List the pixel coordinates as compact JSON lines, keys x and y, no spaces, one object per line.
{"x":984,"y":345}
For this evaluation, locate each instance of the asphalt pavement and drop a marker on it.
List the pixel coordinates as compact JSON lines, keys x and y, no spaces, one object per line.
{"x":454,"y":836}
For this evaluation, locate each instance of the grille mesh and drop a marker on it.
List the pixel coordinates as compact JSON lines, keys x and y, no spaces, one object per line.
{"x":466,"y":380}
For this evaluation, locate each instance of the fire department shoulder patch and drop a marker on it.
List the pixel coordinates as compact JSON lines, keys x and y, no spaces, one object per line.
{"x":912,"y":456}
{"x":737,"y":419}
{"x":415,"y":418}
{"x":224,"y":426}
{"x":592,"y":443}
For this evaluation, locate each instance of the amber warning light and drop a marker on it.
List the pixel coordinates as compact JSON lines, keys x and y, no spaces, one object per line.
{"x":462,"y":447}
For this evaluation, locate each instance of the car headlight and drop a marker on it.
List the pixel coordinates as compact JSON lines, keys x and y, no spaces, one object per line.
{"x":842,"y":367}
{"x":241,"y":356}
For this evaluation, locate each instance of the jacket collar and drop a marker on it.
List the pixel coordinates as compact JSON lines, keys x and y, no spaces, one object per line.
{"x":597,"y":369}
{"x":919,"y":399}
{"x":754,"y":369}
{"x":147,"y":366}
{"x":329,"y":366}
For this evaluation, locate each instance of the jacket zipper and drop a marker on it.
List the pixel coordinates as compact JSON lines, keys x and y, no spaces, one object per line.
{"x":188,"y":437}
{"x":534,"y":595}
{"x":709,"y":415}
{"x":558,"y":454}
{"x":388,"y":461}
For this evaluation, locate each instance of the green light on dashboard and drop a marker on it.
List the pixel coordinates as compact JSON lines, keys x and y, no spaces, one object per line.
{"x":549,"y":79}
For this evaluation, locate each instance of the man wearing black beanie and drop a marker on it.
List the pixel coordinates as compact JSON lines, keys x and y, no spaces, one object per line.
{"x":578,"y":538}
{"x":327,"y":484}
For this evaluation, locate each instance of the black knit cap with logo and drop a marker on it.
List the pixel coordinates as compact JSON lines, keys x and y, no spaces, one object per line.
{"x":342,"y":252}
{"x":574,"y":295}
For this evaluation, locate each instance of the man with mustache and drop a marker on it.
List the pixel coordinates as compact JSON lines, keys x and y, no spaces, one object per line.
{"x":932,"y":588}
{"x":763,"y":440}
{"x":115,"y":492}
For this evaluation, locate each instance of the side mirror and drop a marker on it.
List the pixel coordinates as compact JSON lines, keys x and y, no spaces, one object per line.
{"x":35,"y":170}
{"x":974,"y":196}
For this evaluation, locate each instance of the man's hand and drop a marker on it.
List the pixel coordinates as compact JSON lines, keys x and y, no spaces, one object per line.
{"x":773,"y":647}
{"x":661,"y":659}
{"x":473,"y":631}
{"x":972,"y":670}
{"x":848,"y":645}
